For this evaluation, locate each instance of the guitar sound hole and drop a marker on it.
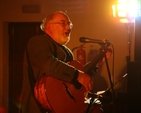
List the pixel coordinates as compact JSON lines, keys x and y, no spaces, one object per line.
{"x":77,"y":85}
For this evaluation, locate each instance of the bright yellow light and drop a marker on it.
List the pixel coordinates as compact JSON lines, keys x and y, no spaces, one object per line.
{"x":121,"y":6}
{"x":126,"y":9}
{"x":122,"y":14}
{"x":122,"y":1}
{"x":133,"y":9}
{"x":114,"y":10}
{"x":124,"y":20}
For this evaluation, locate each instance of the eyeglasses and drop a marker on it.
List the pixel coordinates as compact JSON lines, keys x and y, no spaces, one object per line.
{"x":64,"y":23}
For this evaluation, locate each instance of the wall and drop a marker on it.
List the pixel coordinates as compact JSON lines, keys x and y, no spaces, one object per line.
{"x":90,"y":18}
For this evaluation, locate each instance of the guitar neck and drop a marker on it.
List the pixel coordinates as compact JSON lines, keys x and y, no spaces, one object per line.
{"x":91,"y":65}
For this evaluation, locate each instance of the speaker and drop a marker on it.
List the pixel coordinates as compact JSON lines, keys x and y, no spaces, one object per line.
{"x":137,"y":51}
{"x":134,"y":87}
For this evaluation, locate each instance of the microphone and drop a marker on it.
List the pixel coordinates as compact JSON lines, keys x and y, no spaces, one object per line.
{"x":89,"y":40}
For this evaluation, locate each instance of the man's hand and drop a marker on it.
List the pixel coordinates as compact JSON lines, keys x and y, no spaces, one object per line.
{"x":85,"y":80}
{"x":108,"y":55}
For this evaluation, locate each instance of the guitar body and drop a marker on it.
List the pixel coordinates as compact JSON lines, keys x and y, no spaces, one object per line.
{"x":58,"y":96}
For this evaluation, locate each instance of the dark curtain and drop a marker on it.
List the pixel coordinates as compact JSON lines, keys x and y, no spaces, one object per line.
{"x":19,"y":34}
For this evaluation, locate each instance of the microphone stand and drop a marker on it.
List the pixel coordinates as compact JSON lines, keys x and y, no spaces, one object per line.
{"x":111,"y":83}
{"x":102,"y":44}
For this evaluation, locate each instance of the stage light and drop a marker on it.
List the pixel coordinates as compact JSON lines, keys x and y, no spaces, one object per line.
{"x":126,"y":10}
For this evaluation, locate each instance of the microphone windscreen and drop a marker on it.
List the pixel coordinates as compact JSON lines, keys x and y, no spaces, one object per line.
{"x":82,"y":39}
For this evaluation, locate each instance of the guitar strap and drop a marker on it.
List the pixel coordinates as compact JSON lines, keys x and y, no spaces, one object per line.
{"x":32,"y":82}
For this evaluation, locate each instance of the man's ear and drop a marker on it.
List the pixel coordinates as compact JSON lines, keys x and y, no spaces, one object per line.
{"x":48,"y":29}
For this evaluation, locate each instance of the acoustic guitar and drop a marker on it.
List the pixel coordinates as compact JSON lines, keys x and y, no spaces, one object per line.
{"x":58,"y":96}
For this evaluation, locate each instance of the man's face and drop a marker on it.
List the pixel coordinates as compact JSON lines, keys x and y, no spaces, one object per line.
{"x":60,"y":29}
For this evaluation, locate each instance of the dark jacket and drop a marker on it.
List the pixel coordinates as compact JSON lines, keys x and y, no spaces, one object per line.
{"x":46,"y":58}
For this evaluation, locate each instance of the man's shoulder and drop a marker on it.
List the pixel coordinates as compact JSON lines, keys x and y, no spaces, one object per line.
{"x":39,"y":37}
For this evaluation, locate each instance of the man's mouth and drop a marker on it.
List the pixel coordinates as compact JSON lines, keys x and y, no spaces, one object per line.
{"x":67,"y":33}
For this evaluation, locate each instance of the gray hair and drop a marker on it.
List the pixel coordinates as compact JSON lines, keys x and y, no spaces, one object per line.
{"x":48,"y":18}
{"x":42,"y":25}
